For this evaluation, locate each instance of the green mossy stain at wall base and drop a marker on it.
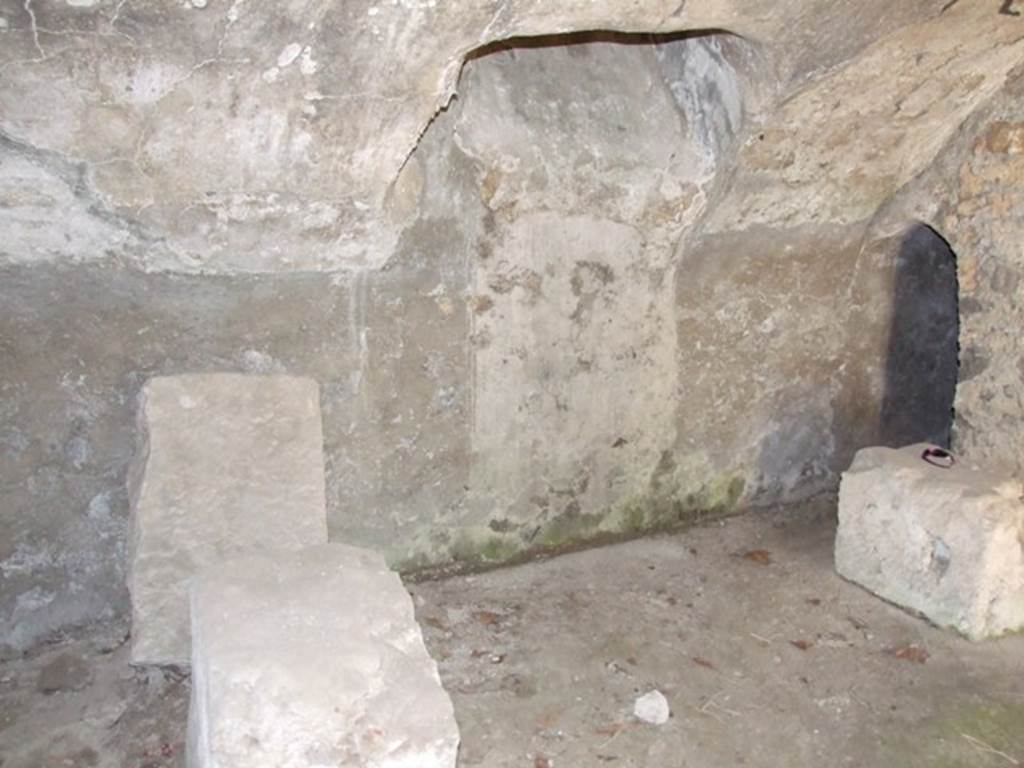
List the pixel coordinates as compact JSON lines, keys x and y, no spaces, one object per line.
{"x":480,"y":547}
{"x":634,"y":519}
{"x":496,"y":550}
{"x":567,"y":528}
{"x":486,"y":546}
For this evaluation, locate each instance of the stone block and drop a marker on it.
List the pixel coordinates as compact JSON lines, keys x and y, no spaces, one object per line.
{"x":229,"y":463}
{"x":313,"y":658}
{"x":947,"y":543}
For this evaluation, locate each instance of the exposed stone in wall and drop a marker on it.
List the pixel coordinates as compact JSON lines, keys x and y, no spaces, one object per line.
{"x":836,"y":150}
{"x":814,"y":194}
{"x":971,"y":197}
{"x":984,"y":218}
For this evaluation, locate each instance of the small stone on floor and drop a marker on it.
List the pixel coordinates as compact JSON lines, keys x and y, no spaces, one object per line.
{"x":652,"y":708}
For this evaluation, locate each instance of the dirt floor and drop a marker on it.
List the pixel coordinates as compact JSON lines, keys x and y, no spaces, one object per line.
{"x":766,"y":658}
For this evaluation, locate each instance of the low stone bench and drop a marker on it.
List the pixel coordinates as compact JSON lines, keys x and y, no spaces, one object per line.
{"x":312,"y":659}
{"x":228,"y":463}
{"x":944,"y":541}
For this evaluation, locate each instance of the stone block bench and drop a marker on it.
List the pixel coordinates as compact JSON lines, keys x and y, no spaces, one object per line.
{"x":312,"y":659}
{"x":228,"y":463}
{"x":934,"y":536}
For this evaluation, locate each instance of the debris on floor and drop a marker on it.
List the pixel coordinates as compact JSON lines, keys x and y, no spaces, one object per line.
{"x":581,"y":637}
{"x":652,"y":708}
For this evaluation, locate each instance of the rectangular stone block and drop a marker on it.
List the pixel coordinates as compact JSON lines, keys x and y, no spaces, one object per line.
{"x":229,"y":463}
{"x":945,"y":542}
{"x":313,"y":659}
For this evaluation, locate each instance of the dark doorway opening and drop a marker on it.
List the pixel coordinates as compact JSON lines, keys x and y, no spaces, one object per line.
{"x":923,"y":353}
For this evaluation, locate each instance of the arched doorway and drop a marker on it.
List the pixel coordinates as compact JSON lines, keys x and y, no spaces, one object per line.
{"x":922,"y":363}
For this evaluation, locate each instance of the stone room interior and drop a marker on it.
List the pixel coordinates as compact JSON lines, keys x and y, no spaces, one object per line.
{"x":510,"y":383}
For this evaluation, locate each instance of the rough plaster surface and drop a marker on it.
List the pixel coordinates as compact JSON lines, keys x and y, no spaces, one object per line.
{"x":258,"y":136}
{"x":228,"y":463}
{"x":620,"y":282}
{"x":313,"y":658}
{"x":69,"y":430}
{"x":942,"y":541}
{"x":572,"y":328}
